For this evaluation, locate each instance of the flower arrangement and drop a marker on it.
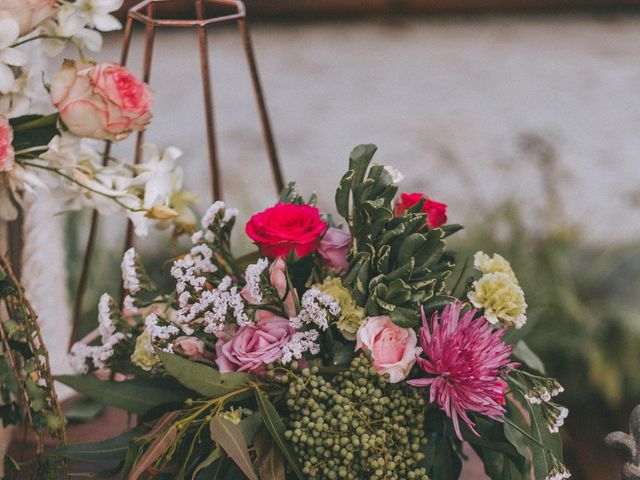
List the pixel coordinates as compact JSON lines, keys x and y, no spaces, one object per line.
{"x":50,"y":127}
{"x":334,"y":351}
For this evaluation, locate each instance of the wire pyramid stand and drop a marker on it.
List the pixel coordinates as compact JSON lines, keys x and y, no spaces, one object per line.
{"x":145,"y":13}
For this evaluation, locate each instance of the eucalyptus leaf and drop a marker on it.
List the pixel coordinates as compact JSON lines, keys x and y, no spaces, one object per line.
{"x":114,"y":448}
{"x":200,"y":378}
{"x":522,"y":352}
{"x":276,"y":428}
{"x":230,"y":438}
{"x":131,"y":396}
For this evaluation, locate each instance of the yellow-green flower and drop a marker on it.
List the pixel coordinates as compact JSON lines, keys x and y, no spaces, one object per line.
{"x":351,"y":316}
{"x":143,"y":355}
{"x":486,"y":264}
{"x":234,"y":416}
{"x":501,"y":298}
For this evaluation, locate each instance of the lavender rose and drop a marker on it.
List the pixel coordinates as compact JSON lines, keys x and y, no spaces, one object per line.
{"x":254,"y":346}
{"x":334,"y":248}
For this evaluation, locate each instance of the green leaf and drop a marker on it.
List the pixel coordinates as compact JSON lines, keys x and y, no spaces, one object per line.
{"x":200,"y":378}
{"x":155,"y":451}
{"x":270,"y":460}
{"x":215,"y":454}
{"x":230,"y":438}
{"x":342,"y":194}
{"x":84,"y":410}
{"x":451,"y":229}
{"x":359,"y":160}
{"x":131,"y":396}
{"x":447,"y":464}
{"x":522,"y":352}
{"x":249,"y":426}
{"x":110,"y":449}
{"x":276,"y":427}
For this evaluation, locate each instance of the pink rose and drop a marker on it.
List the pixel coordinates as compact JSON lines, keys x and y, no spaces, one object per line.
{"x":7,"y":154}
{"x":103,"y":101}
{"x":255,"y":346}
{"x":189,"y":346}
{"x":394,"y":349}
{"x":334,"y":248}
{"x":28,"y":14}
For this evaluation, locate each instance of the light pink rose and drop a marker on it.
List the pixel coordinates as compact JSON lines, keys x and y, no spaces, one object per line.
{"x":28,"y":14}
{"x":253,"y":347}
{"x":189,"y":346}
{"x":394,"y":349}
{"x":104,"y":101}
{"x":7,"y":154}
{"x":334,"y":248}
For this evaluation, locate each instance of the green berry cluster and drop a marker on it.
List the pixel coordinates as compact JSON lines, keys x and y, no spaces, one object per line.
{"x":356,"y":425}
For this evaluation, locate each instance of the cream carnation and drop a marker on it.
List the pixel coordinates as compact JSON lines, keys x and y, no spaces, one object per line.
{"x":501,"y":298}
{"x":486,"y":264}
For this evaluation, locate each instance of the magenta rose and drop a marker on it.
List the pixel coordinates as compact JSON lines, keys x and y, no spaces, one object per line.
{"x":254,"y":346}
{"x":393,"y":348}
{"x":334,"y":249}
{"x":104,"y":101}
{"x":286,"y":228}
{"x":7,"y":154}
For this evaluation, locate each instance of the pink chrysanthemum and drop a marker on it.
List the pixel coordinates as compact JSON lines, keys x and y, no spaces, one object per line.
{"x":466,"y":357}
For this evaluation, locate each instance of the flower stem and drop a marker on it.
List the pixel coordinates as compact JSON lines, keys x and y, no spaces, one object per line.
{"x":39,"y":37}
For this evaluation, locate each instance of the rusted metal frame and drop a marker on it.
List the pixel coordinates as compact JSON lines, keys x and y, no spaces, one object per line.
{"x":93,"y":230}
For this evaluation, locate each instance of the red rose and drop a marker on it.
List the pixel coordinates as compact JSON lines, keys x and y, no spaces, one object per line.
{"x":436,"y":211}
{"x":286,"y":227}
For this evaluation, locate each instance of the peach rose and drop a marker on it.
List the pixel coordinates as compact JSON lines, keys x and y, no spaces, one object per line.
{"x":28,"y":14}
{"x":7,"y":154}
{"x":103,"y":101}
{"x":394,"y":349}
{"x":192,"y":347}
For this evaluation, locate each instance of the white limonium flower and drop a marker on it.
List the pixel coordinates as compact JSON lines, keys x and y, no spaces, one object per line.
{"x":9,"y":57}
{"x":160,"y":332}
{"x":129,"y":274}
{"x":106,"y":324}
{"x":213,"y":210}
{"x":300,"y":343}
{"x":252,"y":277}
{"x":99,"y":354}
{"x":316,"y":308}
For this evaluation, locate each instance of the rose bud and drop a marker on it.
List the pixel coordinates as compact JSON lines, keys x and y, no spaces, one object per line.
{"x":28,"y":14}
{"x":436,"y":211}
{"x":103,"y":101}
{"x":189,"y":346}
{"x":7,"y":154}
{"x":334,"y":249}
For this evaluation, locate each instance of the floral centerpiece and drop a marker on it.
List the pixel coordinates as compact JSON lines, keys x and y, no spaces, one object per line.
{"x":335,"y":351}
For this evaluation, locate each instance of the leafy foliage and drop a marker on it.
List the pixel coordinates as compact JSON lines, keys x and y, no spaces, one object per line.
{"x":397,"y":262}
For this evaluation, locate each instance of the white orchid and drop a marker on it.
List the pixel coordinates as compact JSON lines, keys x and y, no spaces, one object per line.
{"x":9,"y":57}
{"x":99,"y":12}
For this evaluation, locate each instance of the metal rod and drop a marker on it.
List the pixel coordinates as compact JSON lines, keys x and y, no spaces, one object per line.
{"x":262,"y":107}
{"x":93,"y":230}
{"x":203,"y":50}
{"x":149,"y":37}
